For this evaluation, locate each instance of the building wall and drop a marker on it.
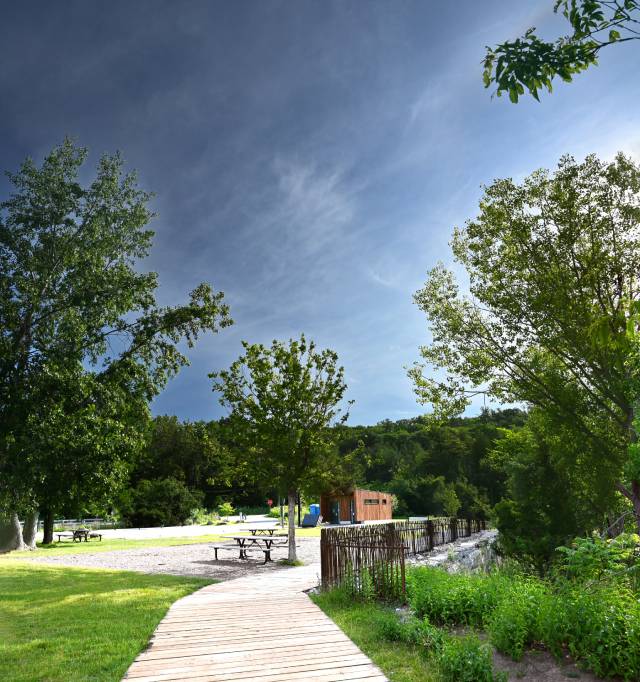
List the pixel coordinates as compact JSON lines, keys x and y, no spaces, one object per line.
{"x":371,"y":505}
{"x":365,"y":510}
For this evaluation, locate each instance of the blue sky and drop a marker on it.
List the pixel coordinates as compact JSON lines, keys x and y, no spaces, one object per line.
{"x":309,"y":158}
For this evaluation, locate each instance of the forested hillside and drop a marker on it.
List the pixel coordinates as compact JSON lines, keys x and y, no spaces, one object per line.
{"x":430,"y":469}
{"x":443,"y":470}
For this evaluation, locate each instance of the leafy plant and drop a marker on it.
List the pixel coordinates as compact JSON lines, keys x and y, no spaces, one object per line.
{"x":160,"y":502}
{"x":532,"y":63}
{"x":602,"y":560}
{"x":514,"y":622}
{"x":466,"y":659}
{"x":225,"y":510}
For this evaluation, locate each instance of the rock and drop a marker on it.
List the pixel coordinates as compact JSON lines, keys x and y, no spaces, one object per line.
{"x":464,"y":555}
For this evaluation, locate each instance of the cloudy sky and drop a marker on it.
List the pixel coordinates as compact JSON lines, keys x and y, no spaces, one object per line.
{"x":309,"y":158}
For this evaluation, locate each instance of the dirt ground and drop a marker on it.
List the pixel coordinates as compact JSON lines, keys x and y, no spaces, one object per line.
{"x":537,"y":665}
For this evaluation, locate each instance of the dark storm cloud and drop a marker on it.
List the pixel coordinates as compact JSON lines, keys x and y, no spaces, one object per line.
{"x":309,"y":158}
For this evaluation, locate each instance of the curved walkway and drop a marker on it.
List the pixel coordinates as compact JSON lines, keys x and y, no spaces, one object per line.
{"x":262,"y":628}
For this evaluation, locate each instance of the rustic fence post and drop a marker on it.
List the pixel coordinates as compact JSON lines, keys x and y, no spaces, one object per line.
{"x":453,"y":525}
{"x":430,"y":535}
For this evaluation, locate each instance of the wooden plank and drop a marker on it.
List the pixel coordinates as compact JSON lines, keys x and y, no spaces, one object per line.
{"x":242,"y":668}
{"x":261,"y":628}
{"x":225,"y":661}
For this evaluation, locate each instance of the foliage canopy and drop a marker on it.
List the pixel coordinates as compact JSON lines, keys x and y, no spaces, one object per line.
{"x":532,"y":63}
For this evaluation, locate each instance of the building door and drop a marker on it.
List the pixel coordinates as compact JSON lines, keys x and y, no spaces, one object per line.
{"x":335,"y":511}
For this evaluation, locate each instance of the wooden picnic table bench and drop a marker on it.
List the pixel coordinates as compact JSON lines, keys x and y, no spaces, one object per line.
{"x":262,"y":531}
{"x":79,"y":535}
{"x":263,"y":545}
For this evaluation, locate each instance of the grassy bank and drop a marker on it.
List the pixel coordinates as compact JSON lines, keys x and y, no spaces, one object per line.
{"x":595,"y":624}
{"x":66,"y":624}
{"x":364,"y":623}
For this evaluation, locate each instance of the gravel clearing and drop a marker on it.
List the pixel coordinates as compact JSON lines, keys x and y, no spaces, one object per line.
{"x":187,"y":560}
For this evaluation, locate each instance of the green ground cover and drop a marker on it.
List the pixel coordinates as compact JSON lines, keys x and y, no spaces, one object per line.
{"x":363,"y":622}
{"x":595,"y":623}
{"x":66,"y":624}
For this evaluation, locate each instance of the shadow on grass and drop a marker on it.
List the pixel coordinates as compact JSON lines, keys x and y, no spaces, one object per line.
{"x":60,"y":623}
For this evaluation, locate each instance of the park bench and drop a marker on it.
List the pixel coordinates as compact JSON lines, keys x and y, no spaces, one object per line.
{"x":266,"y":550}
{"x":80,"y":535}
{"x":64,"y":535}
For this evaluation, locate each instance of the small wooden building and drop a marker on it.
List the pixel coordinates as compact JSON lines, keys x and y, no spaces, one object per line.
{"x":355,"y":505}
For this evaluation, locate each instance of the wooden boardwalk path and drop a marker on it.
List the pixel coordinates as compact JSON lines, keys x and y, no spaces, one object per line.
{"x":261,"y":628}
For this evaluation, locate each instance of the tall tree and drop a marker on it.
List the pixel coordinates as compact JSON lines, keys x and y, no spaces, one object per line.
{"x":532,"y":63}
{"x":83,"y":344}
{"x":553,"y":268}
{"x":284,"y":400}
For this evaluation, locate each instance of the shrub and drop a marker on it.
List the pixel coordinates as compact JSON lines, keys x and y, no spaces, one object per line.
{"x":515,"y":621}
{"x":410,"y":631}
{"x":274,"y":512}
{"x":455,"y":599}
{"x":466,"y":659}
{"x":202,"y":517}
{"x":226,"y":509}
{"x":160,"y":502}
{"x":603,"y":560}
{"x":600,"y":626}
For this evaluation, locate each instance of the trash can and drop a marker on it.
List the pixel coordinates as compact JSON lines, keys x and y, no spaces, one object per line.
{"x":314,"y":509}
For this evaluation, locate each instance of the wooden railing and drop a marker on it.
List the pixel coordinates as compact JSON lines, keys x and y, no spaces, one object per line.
{"x":369,"y":559}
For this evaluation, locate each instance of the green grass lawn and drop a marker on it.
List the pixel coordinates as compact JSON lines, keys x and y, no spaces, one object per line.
{"x":67,"y":624}
{"x":107,"y":545}
{"x":399,"y":662}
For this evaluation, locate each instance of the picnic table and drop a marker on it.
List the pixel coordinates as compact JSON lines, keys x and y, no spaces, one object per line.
{"x":264,"y":531}
{"x":79,"y":535}
{"x":268,"y":543}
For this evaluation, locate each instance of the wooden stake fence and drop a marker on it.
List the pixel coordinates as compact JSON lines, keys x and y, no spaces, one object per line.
{"x":369,"y":560}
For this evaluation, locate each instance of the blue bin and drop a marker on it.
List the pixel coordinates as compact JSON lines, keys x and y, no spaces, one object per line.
{"x":314,"y":508}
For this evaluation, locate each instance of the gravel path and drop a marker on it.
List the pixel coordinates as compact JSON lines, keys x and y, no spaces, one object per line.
{"x":187,"y":560}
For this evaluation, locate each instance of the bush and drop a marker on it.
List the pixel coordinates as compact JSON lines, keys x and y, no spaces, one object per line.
{"x":594,"y":559}
{"x":203,"y":517}
{"x":410,"y":631}
{"x":274,"y":512}
{"x":226,"y":509}
{"x":160,"y":502}
{"x":601,"y":626}
{"x":515,"y":621}
{"x":466,"y":659}
{"x":598,"y":624}
{"x":452,"y":599}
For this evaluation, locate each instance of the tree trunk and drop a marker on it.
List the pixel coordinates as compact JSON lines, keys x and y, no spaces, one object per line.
{"x":30,"y":529}
{"x":293,"y":556}
{"x":10,"y":534}
{"x":47,"y":527}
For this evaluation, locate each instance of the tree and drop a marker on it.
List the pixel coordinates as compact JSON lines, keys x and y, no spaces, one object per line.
{"x":188,"y":451}
{"x":284,"y":400}
{"x":553,"y":268}
{"x":531,"y":63}
{"x":83,"y":345}
{"x":547,"y":501}
{"x":160,"y":502}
